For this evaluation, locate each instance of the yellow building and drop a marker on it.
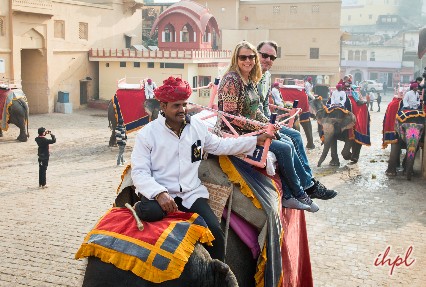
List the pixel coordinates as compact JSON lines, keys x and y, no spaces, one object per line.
{"x":44,"y":45}
{"x":307,"y":32}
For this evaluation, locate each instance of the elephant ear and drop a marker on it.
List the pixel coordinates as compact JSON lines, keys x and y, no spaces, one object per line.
{"x":227,"y":278}
{"x":348,"y":122}
{"x":321,"y":114}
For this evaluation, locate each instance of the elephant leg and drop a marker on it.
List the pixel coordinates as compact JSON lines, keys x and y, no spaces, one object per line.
{"x":22,"y":132}
{"x":393,"y":159}
{"x":346,"y":151}
{"x":356,"y":149}
{"x":1,"y":133}
{"x":334,"y":156}
{"x":112,"y":140}
{"x":326,"y":148}
{"x":307,"y":128}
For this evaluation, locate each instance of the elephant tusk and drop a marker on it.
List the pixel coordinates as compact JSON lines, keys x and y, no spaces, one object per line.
{"x":138,"y":221}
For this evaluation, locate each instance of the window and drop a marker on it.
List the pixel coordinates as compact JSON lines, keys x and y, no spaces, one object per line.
{"x":172,"y":65}
{"x":136,"y":64}
{"x":83,"y":31}
{"x":194,"y":82}
{"x":293,"y":9}
{"x":128,"y":40}
{"x":374,"y":76}
{"x":2,"y":26}
{"x":314,"y":53}
{"x":276,"y":10}
{"x":184,"y":35}
{"x":150,"y":65}
{"x":351,"y":55}
{"x":205,"y":80}
{"x":364,"y":55}
{"x":206,"y":36}
{"x":168,"y":35}
{"x":122,"y":64}
{"x":59,"y":29}
{"x":107,"y":65}
{"x":357,"y":55}
{"x":372,"y":56}
{"x":315,"y":8}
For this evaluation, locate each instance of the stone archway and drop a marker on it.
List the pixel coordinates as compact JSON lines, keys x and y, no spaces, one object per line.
{"x":34,"y":74}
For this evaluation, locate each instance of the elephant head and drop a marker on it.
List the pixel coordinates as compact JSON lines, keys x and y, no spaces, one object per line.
{"x":410,"y":133}
{"x":152,"y":108}
{"x":315,"y":105}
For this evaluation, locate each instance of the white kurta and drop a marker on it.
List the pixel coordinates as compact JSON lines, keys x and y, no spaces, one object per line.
{"x":338,"y":98}
{"x":276,"y":95}
{"x":149,"y":90}
{"x":411,"y":100}
{"x":161,"y":161}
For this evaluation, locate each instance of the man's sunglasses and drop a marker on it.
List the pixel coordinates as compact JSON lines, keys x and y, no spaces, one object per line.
{"x":266,"y":56}
{"x":245,"y":57}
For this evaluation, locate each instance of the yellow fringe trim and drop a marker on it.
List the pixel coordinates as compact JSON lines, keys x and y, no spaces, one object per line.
{"x":420,"y":114}
{"x":235,"y":177}
{"x":142,"y":269}
{"x":126,"y":169}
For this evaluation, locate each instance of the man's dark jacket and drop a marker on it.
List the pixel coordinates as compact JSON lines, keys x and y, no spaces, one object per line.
{"x":43,"y":146}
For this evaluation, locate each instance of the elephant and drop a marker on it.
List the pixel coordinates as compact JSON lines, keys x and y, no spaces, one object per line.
{"x":18,"y":115}
{"x":151,"y":106}
{"x":200,"y":269}
{"x":410,"y":133}
{"x":334,"y":125}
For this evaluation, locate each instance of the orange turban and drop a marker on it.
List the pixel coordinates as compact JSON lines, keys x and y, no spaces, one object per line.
{"x":172,"y":90}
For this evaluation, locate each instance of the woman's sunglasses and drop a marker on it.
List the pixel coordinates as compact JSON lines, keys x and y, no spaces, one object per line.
{"x":266,"y":56}
{"x":245,"y":57}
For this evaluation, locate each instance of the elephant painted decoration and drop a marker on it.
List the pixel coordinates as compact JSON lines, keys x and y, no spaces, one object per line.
{"x":123,"y":106}
{"x":410,"y":133}
{"x":14,"y":110}
{"x":290,"y":93}
{"x":335,"y":122}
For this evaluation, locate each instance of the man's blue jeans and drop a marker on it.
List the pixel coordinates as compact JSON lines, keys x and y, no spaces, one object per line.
{"x":285,"y":154}
{"x":296,"y":139}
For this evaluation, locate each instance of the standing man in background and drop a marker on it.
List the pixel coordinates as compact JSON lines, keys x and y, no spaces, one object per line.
{"x":121,"y":137}
{"x":149,"y":87}
{"x":43,"y":154}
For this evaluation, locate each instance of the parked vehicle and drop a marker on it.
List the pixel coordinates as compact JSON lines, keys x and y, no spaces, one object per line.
{"x":371,"y":86}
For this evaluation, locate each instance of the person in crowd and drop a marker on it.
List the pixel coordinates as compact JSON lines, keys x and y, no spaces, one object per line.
{"x":149,"y":87}
{"x":121,"y":138}
{"x":276,"y":95}
{"x":422,"y":87}
{"x":379,"y":100}
{"x":338,"y":97}
{"x":309,"y":87}
{"x":411,"y":98}
{"x":371,"y":99}
{"x":166,"y":158}
{"x":350,"y":91}
{"x":43,"y":154}
{"x":267,"y":51}
{"x":238,"y":95}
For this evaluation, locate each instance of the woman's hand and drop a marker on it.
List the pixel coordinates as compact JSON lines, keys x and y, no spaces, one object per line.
{"x":263,"y":137}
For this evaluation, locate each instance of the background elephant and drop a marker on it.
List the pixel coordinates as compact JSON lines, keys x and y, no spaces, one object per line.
{"x":151,"y":106}
{"x":334,"y":125}
{"x":18,"y":115}
{"x":410,"y":133}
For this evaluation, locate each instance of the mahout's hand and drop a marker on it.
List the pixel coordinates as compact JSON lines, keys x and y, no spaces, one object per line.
{"x":166,"y":202}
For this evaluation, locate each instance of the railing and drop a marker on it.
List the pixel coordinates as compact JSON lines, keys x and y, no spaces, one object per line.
{"x":160,"y":54}
{"x":41,"y":6}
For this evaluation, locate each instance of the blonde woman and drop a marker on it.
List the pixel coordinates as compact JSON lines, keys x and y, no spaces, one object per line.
{"x":237,"y":95}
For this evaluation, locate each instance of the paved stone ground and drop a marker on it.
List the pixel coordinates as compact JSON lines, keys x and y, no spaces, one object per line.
{"x":42,"y":229}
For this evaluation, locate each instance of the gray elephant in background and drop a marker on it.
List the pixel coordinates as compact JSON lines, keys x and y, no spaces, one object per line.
{"x":151,"y":106}
{"x":334,"y":126}
{"x":18,"y":115}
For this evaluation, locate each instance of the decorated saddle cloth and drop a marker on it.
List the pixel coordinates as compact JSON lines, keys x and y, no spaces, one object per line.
{"x":129,"y":106}
{"x":292,"y":94}
{"x":7,"y":96}
{"x":361,"y":131}
{"x":404,"y":114}
{"x":157,"y":254}
{"x":389,"y":134}
{"x":266,"y":194}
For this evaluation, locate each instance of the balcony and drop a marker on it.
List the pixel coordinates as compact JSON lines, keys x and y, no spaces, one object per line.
{"x":43,"y":7}
{"x":178,"y":56}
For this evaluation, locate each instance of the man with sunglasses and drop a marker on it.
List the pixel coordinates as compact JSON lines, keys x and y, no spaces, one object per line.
{"x":267,"y":51}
